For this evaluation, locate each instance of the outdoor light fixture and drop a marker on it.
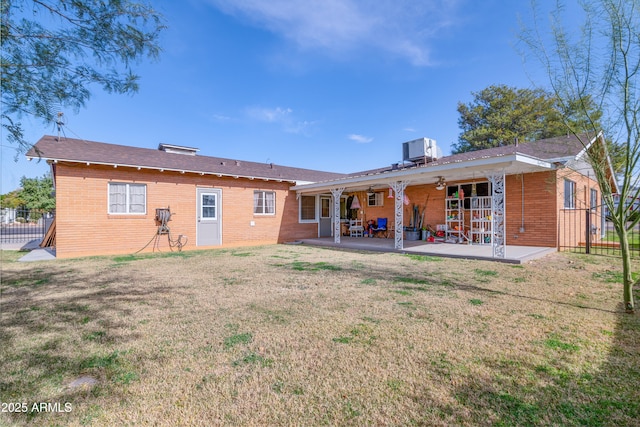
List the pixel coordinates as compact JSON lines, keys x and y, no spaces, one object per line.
{"x":441,"y":183}
{"x":370,"y":191}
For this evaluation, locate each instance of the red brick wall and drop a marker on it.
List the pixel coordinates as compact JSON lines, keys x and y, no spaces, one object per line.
{"x":84,"y":227}
{"x":540,"y":208}
{"x":572,"y":222}
{"x":417,"y":195}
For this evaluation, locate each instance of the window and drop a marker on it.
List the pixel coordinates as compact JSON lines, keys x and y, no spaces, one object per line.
{"x":376,"y":199}
{"x":307,"y":208}
{"x":264,"y":202}
{"x":127,"y":198}
{"x":594,"y":199}
{"x":569,"y":194}
{"x":325,"y":207}
{"x":209,"y":206}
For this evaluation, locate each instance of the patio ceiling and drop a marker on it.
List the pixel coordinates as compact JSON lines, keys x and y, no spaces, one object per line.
{"x":429,"y":174}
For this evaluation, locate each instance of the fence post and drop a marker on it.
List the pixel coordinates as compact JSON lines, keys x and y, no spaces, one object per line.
{"x":588,"y":231}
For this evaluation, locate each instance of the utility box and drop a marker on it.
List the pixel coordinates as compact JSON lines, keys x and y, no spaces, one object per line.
{"x":421,"y":150}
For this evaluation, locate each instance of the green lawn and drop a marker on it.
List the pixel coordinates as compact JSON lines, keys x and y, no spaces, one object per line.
{"x":297,"y":335}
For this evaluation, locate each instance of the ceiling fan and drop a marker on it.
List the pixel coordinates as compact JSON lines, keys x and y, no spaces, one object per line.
{"x":441,"y":183}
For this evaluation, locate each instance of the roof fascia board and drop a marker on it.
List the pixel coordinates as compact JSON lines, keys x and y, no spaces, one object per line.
{"x":600,"y":137}
{"x":123,"y":165}
{"x":585,"y":148}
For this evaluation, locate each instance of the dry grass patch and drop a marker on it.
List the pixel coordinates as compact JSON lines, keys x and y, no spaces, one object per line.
{"x":295,"y":335}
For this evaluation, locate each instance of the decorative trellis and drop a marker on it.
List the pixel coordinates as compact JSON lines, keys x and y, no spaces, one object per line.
{"x":497,"y":215}
{"x":336,"y":193}
{"x":398,"y":190}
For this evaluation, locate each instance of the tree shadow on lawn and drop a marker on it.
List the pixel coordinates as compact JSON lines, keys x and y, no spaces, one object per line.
{"x":553,"y":392}
{"x":60,"y":323}
{"x":517,"y":391}
{"x":427,"y":280}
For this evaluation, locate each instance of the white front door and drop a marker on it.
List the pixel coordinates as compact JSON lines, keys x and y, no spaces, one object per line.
{"x":209,"y":217}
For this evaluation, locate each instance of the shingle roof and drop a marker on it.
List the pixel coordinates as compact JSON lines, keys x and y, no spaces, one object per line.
{"x":550,"y":149}
{"x":67,"y":149}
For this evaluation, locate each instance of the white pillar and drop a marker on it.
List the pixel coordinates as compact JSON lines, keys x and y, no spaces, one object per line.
{"x":336,"y":192}
{"x":398,"y":190}
{"x":498,"y":230}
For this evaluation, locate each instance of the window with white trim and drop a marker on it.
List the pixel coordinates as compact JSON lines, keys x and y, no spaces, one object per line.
{"x":375,"y":199}
{"x":308,"y":209}
{"x":264,"y":202}
{"x":125,"y":198}
{"x":594,"y":199}
{"x":569,"y":194}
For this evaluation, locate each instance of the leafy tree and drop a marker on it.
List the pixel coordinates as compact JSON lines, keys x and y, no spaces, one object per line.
{"x":12,"y":200}
{"x":53,"y":51}
{"x":500,"y":115}
{"x":37,"y":193}
{"x":601,"y":63}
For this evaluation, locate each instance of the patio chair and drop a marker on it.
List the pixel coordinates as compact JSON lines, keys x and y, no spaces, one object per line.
{"x":356,"y":229}
{"x":381,"y":227}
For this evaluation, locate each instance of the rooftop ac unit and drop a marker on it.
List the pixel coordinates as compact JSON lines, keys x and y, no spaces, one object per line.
{"x":419,"y":150}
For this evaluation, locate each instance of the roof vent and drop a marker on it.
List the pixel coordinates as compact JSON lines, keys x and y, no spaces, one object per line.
{"x":177,"y":149}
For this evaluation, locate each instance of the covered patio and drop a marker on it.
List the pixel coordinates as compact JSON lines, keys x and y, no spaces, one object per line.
{"x":398,"y":179}
{"x":513,"y":254}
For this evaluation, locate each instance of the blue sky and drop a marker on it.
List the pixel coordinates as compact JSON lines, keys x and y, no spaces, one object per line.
{"x":333,"y":85}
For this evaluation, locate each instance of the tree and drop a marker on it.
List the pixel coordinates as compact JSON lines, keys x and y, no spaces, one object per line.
{"x":601,"y":63}
{"x":498,"y":115}
{"x":53,"y":51}
{"x":37,"y":193}
{"x":11,"y":200}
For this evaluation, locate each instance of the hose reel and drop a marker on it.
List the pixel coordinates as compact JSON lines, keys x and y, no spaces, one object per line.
{"x":163,"y":216}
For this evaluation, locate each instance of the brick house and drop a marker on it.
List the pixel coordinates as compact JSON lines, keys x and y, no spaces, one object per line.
{"x":107,"y":196}
{"x":530,"y":190}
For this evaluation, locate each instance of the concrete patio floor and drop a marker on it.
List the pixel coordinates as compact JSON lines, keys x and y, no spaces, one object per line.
{"x":32,"y":249}
{"x":514,"y":254}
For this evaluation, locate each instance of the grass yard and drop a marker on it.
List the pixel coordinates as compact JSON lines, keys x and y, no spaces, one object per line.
{"x":296,"y":335}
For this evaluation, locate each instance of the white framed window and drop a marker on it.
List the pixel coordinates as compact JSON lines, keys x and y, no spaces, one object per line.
{"x":126,"y":198}
{"x":569,"y":194}
{"x":264,"y":202}
{"x":594,"y":199}
{"x":307,"y":209}
{"x":209,"y":207}
{"x":375,"y":199}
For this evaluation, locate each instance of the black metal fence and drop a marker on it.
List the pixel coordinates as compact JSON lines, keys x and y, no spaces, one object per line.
{"x":589,"y":231}
{"x":23,"y":225}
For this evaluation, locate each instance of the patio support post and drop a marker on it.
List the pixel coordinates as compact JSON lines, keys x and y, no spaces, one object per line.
{"x":398,"y":190}
{"x":498,"y":231}
{"x":336,"y":192}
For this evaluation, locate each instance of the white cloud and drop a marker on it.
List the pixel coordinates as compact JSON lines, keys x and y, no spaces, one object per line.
{"x":360,"y":139}
{"x":402,"y":28}
{"x":269,"y":115}
{"x":221,"y":118}
{"x":280,"y":116}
